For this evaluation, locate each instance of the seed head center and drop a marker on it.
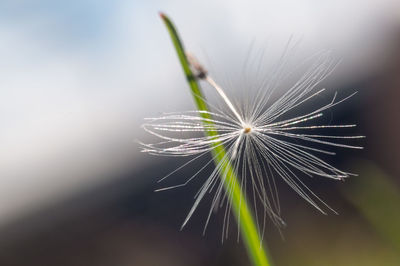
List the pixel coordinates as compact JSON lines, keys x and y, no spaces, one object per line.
{"x":247,"y":129}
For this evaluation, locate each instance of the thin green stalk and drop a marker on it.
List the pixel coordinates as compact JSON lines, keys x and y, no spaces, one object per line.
{"x":240,"y":205}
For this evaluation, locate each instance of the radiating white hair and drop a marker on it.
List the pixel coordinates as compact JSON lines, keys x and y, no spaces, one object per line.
{"x":261,"y":142}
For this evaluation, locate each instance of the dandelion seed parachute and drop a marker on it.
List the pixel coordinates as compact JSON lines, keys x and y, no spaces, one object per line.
{"x":262,"y":144}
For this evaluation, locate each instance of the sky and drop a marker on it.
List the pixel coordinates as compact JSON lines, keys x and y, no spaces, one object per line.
{"x":78,"y":77}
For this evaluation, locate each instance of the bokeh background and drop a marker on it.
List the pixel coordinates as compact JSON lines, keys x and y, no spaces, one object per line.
{"x":78,"y":77}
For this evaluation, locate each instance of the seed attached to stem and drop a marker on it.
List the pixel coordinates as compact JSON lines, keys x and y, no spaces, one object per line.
{"x":261,"y":144}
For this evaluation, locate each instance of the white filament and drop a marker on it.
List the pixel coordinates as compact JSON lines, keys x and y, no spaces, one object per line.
{"x":261,"y":146}
{"x":225,"y":98}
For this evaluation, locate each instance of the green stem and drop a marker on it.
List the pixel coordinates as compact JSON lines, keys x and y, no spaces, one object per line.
{"x":240,"y":205}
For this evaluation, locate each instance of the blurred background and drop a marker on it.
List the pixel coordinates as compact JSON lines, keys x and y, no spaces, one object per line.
{"x":78,"y":77}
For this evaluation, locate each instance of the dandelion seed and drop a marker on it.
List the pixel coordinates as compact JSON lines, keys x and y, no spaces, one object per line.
{"x":261,"y":143}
